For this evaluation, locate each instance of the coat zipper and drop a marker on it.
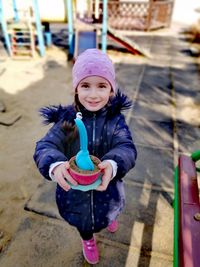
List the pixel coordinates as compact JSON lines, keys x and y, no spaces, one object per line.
{"x":94,"y":134}
{"x":93,"y":151}
{"x":92,"y":208}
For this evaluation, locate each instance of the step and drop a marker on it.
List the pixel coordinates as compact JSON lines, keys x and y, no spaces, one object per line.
{"x":17,"y":25}
{"x":21,"y":50}
{"x":22,"y":36}
{"x":21,"y":44}
{"x":19,"y":31}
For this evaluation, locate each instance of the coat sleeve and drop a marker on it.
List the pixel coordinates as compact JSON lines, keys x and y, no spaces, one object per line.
{"x":50,"y":149}
{"x":123,"y":150}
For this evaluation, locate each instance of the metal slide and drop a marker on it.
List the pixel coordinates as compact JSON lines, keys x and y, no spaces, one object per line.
{"x":84,"y":40}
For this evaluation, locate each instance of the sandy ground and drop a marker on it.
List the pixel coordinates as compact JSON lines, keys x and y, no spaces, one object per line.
{"x":25,"y":86}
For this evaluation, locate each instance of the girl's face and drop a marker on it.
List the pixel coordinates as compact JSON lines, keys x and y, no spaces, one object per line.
{"x":94,"y":92}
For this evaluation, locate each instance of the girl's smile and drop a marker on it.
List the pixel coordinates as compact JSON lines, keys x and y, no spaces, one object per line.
{"x":94,"y":92}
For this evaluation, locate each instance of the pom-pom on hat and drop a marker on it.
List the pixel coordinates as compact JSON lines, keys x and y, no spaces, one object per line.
{"x":93,"y":62}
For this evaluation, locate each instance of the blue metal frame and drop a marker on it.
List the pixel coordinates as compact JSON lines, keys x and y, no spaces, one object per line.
{"x":16,"y":15}
{"x":39,"y":28}
{"x":4,"y":30}
{"x":48,"y":38}
{"x":70,"y":27}
{"x":104,"y":26}
{"x":47,"y":34}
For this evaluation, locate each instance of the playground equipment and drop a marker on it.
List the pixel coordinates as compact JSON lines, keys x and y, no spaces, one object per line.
{"x":130,"y":45}
{"x":83,"y":31}
{"x":21,"y":20}
{"x":186,"y":212}
{"x":27,"y":23}
{"x":20,"y":23}
{"x":89,"y":20}
{"x":144,"y":15}
{"x":17,"y":27}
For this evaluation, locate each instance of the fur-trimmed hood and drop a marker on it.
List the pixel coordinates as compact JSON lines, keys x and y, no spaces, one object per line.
{"x":53,"y":114}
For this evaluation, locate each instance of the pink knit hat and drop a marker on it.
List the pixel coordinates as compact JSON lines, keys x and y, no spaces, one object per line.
{"x":93,"y":62}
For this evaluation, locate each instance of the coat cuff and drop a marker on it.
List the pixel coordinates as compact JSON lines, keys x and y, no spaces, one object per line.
{"x":114,"y":167}
{"x":52,"y":166}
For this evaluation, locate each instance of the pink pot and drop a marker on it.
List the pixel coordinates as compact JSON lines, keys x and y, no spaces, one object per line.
{"x":85,"y":177}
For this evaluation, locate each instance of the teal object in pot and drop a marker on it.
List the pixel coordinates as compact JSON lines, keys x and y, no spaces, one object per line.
{"x":83,"y":160}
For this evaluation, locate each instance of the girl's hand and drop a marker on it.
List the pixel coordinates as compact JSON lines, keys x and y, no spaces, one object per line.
{"x":61,"y":174}
{"x":106,"y":167}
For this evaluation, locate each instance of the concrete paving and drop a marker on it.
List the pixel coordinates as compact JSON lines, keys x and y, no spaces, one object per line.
{"x":162,"y":128}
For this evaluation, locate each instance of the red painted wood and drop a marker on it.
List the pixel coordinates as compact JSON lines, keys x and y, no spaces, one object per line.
{"x":189,"y":205}
{"x":130,"y":46}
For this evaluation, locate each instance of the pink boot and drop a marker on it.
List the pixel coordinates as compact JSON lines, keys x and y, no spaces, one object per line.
{"x":113,"y":227}
{"x":90,"y":251}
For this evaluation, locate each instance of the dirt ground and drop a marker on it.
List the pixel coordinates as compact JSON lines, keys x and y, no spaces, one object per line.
{"x":25,"y":86}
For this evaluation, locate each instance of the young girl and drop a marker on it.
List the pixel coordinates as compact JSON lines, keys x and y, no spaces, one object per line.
{"x":109,"y":139}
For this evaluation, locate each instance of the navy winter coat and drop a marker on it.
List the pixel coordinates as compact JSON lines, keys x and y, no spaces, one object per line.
{"x":108,"y":138}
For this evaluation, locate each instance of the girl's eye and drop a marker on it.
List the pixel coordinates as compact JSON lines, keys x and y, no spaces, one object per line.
{"x":84,"y":86}
{"x":102,"y":86}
